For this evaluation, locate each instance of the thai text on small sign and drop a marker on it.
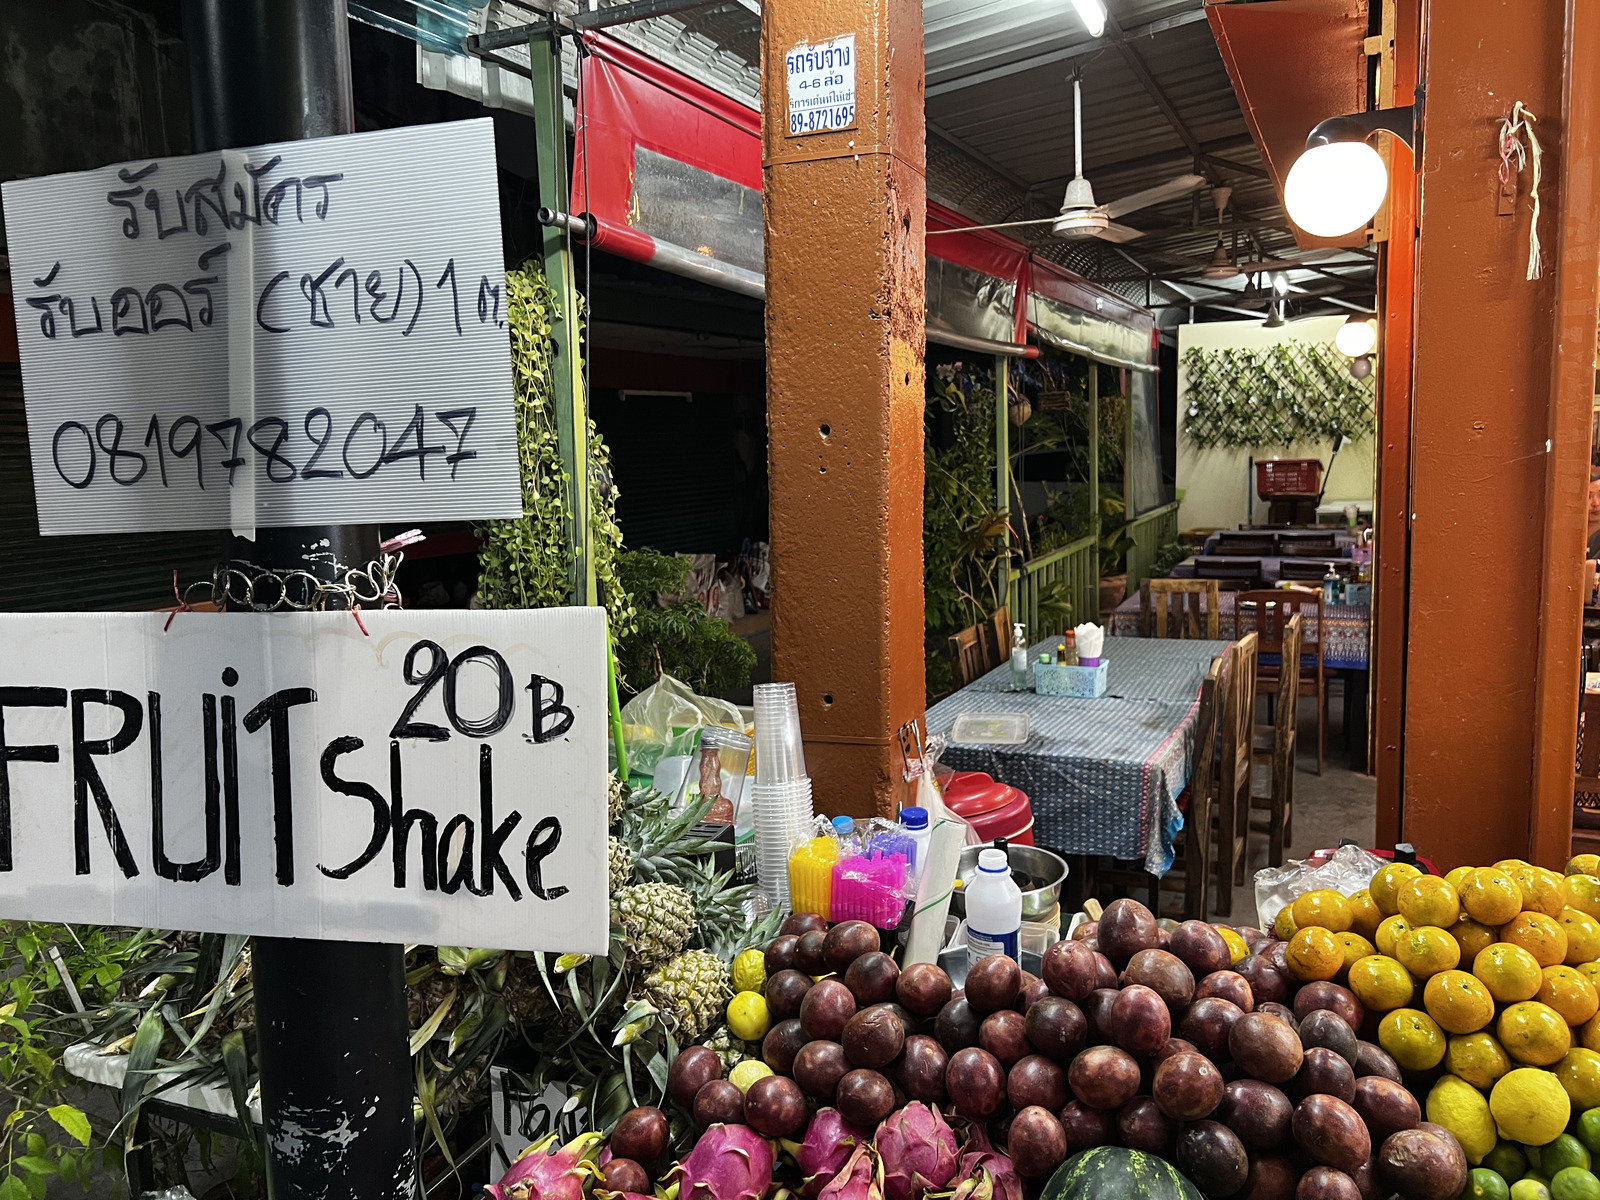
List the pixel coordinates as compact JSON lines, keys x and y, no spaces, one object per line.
{"x":433,"y":777}
{"x":821,"y":81}
{"x":302,"y":333}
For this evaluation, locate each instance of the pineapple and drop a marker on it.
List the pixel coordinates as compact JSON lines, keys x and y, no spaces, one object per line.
{"x":621,"y":862}
{"x":731,"y":1050}
{"x":690,"y":991}
{"x":617,"y":792}
{"x":657,"y":919}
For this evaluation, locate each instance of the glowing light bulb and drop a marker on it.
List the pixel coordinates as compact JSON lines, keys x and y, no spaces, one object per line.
{"x":1335,"y":188}
{"x":1093,"y":15}
{"x":1356,"y":338}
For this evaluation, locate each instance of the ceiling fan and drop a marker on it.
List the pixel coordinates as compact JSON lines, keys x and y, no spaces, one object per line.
{"x":1223,"y":264}
{"x":1080,"y":216}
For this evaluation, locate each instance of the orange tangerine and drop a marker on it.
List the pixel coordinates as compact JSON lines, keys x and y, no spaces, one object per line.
{"x":1591,"y":972}
{"x":1583,"y":864}
{"x":1538,"y":934}
{"x":1325,"y":908}
{"x":1509,"y":865}
{"x":1458,"y":1002}
{"x":1490,"y":896}
{"x":1313,"y":953}
{"x":1428,"y":900}
{"x":1478,"y":1059}
{"x":1283,"y":924}
{"x":1583,"y":894}
{"x":1355,"y":948}
{"x":1509,"y":972}
{"x":1390,"y":930}
{"x":1412,"y":1038}
{"x":1237,"y":947}
{"x":1472,"y":937}
{"x":1534,"y":1033}
{"x":1583,"y":936}
{"x":1589,"y":1034}
{"x":1364,"y":914}
{"x":1387,"y":882}
{"x":1454,"y":878}
{"x":1570,"y":992}
{"x":1381,"y":983}
{"x":1427,"y":950}
{"x":1548,"y":893}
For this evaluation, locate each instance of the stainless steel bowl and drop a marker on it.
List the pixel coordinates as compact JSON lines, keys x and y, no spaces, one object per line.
{"x":1038,"y":873}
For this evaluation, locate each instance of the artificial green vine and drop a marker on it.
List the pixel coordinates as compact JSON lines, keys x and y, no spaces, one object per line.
{"x":1287,"y":394}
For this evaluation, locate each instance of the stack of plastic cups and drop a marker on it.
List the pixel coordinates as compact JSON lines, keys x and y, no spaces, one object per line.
{"x":782,"y":791}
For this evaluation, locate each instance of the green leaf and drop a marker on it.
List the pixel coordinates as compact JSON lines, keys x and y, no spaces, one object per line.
{"x":34,"y":1165}
{"x":236,"y":1066}
{"x":141,"y":1058}
{"x":12,"y":1188}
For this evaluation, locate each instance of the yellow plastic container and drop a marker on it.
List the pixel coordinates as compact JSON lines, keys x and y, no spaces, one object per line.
{"x":811,"y":876}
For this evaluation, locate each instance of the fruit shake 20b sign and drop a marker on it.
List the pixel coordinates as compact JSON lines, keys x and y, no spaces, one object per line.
{"x":436,"y":778}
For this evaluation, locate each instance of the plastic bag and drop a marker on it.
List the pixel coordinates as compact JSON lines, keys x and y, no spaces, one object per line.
{"x":925,"y":778}
{"x":1347,"y":871}
{"x":664,"y":721}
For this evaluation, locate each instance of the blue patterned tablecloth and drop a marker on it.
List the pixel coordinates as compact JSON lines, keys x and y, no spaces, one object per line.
{"x":1102,"y":775}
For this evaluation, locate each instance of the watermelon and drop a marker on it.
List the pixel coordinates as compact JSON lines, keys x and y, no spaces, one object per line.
{"x":1113,"y":1173}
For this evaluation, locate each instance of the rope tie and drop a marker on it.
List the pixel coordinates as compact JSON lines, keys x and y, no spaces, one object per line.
{"x":1512,"y":130}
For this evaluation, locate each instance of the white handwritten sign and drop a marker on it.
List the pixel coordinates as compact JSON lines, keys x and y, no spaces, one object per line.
{"x":440,"y":778}
{"x":822,"y":86}
{"x":303,"y":333}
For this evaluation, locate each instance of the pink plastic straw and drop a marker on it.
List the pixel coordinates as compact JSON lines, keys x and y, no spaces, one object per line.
{"x":870,"y":889}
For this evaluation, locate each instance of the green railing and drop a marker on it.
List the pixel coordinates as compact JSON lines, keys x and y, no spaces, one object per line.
{"x":1149,"y":531}
{"x":1073,"y":569}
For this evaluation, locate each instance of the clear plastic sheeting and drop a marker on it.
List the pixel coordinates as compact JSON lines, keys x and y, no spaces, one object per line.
{"x":685,"y":206}
{"x":435,"y":24}
{"x":1146,"y":490}
{"x":1079,"y":332}
{"x":969,"y":303}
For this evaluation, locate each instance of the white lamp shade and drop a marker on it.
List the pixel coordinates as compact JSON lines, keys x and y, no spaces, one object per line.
{"x":1356,"y":338}
{"x":1336,"y":188}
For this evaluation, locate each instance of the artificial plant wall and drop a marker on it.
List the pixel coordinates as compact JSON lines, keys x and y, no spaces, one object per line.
{"x":1282,"y":395}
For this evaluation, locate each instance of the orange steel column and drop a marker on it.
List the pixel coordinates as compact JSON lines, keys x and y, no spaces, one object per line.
{"x":845,"y":216}
{"x":1497,"y":530}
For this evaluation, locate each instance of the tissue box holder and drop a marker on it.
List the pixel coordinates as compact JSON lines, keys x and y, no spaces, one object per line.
{"x":1084,"y":683}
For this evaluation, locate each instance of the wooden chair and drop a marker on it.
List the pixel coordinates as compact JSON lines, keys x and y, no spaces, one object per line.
{"x":1314,"y":572}
{"x":1233,"y":796}
{"x":1274,"y":744}
{"x":1245,"y":543}
{"x":1231,"y":574}
{"x":1313,"y":678}
{"x":1586,"y":783}
{"x":995,"y":636}
{"x":967,"y":656}
{"x":1192,"y":868}
{"x":1192,"y":619}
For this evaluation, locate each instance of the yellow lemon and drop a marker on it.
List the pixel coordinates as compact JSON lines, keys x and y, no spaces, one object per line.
{"x":1583,"y":894}
{"x":747,"y":1072}
{"x":748,"y":1016}
{"x":1464,"y":1111}
{"x":1548,"y":893}
{"x":1570,"y":992}
{"x":1530,"y":1106}
{"x":1390,"y":930}
{"x":1509,"y":972}
{"x":1314,"y":954}
{"x":1387,"y":882}
{"x":1412,"y":1038}
{"x":1534,"y":1033}
{"x":1238,"y":948}
{"x":1538,"y":934}
{"x":1454,"y":878}
{"x":1381,"y":983}
{"x":1477,"y":1058}
{"x":1428,"y":900}
{"x":1283,"y":924}
{"x":750,"y":971}
{"x":1583,"y":864}
{"x":1427,"y":950}
{"x":1458,"y":1001}
{"x":1364,"y":914}
{"x":1490,"y":896}
{"x":1473,"y":937}
{"x":1583,"y":936}
{"x":1579,"y":1073}
{"x":1324,"y":907}
{"x":1355,"y":948}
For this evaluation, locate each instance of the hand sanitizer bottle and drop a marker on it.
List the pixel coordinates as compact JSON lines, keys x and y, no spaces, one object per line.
{"x":1019,"y":658}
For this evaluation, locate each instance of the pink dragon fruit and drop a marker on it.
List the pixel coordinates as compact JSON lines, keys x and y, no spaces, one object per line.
{"x":729,"y":1162}
{"x":919,"y":1152}
{"x":861,"y":1179}
{"x":987,"y":1175}
{"x":830,"y":1140}
{"x":544,"y":1173}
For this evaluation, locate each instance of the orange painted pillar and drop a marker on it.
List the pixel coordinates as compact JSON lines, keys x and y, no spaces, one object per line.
{"x":1499,"y":436}
{"x":845,"y":211}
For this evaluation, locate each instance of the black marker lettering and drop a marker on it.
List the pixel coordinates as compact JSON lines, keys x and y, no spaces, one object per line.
{"x":494,"y":836}
{"x":21,"y":697}
{"x":400,"y":823}
{"x":185,"y":872}
{"x":540,"y":848}
{"x":230,"y":786}
{"x":562,"y":714}
{"x":275,"y":708}
{"x":363,"y":791}
{"x":86,"y":776}
{"x":450,"y":881}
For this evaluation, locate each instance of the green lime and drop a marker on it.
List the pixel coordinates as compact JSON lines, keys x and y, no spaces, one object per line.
{"x":1529,"y":1187}
{"x":1589,"y":1130}
{"x":1507,"y":1161}
{"x":1574,"y":1183}
{"x":1566,"y":1151}
{"x":1532,"y":1153}
{"x":1484,"y":1184}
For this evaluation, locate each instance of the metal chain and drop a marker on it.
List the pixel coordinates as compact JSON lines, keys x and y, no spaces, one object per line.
{"x":240,"y":584}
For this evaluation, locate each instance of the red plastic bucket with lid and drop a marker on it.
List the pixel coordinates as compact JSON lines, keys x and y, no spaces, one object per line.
{"x":995,"y":810}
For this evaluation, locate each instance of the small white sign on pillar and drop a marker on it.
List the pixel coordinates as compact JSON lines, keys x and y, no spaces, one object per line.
{"x":822,"y":86}
{"x":432,"y":777}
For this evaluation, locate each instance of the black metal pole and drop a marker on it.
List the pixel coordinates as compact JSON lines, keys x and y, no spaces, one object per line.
{"x":336,"y":1087}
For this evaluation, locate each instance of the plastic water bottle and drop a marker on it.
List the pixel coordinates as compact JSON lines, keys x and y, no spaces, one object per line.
{"x":994,"y":909}
{"x":1019,"y":657}
{"x":915,"y":822}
